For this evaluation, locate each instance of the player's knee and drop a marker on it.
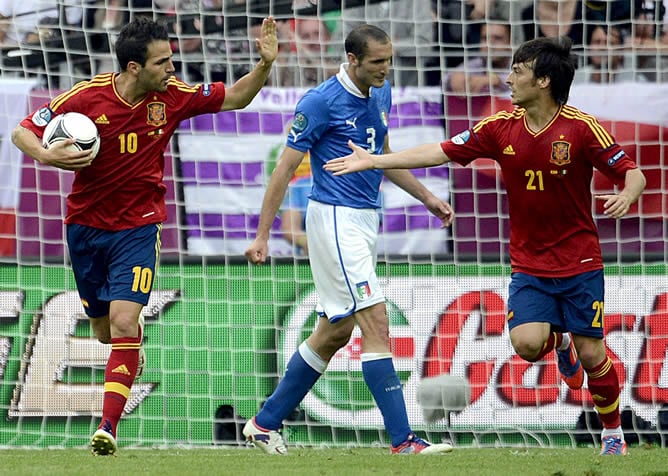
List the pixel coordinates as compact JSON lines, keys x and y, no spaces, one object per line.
{"x":591,"y":352}
{"x":340,"y":338}
{"x":102,"y":333}
{"x":528,"y":350}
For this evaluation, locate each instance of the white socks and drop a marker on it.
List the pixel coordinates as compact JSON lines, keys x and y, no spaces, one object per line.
{"x":565,"y":342}
{"x":612,"y":432}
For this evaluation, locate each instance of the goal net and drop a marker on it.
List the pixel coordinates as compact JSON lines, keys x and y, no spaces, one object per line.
{"x":219,"y":332}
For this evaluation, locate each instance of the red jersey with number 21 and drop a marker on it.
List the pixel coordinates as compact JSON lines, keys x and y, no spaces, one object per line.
{"x":123,"y":187}
{"x":547,"y":176}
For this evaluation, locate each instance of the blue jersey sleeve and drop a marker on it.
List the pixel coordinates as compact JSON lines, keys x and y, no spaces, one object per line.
{"x":310,"y":122}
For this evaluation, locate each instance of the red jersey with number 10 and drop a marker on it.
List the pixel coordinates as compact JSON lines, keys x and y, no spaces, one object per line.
{"x":547,"y":176}
{"x":123,"y":187}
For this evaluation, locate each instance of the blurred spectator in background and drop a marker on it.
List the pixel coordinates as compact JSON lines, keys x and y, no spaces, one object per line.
{"x":114,"y":14}
{"x":210,"y":46}
{"x":646,"y":52}
{"x":604,"y":58}
{"x":33,"y":21}
{"x":308,"y":59}
{"x":551,"y":18}
{"x":664,"y":27}
{"x":293,"y":209}
{"x":456,"y":31}
{"x":459,"y":24}
{"x":487,"y":72}
{"x":186,"y":31}
{"x":410,"y":25}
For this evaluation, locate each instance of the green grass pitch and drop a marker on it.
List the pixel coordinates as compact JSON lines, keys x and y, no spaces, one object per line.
{"x":641,"y":461}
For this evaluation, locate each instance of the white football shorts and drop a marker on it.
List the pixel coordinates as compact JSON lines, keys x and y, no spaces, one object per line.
{"x":342,"y":252}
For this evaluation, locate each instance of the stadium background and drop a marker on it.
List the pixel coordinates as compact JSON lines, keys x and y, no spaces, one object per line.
{"x":218,"y":331}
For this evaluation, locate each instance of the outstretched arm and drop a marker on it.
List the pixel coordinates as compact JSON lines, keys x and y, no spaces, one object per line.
{"x":242,"y":92}
{"x":617,"y":205}
{"x":426,"y":155}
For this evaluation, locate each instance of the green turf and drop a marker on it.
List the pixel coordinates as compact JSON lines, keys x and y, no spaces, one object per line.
{"x":643,"y":461}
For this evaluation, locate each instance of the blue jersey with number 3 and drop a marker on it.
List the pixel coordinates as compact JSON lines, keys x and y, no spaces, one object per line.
{"x":325,"y":119}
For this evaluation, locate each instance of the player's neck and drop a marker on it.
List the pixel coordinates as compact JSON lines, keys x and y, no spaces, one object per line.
{"x":126,"y":86}
{"x":540,"y":114}
{"x":352,"y":74}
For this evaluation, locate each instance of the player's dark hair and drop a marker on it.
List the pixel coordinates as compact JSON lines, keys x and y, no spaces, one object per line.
{"x":550,"y":58}
{"x":134,"y":38}
{"x":357,"y":40}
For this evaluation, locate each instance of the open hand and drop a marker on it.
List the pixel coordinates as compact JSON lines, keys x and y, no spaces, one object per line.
{"x":359,"y":160}
{"x":267,"y":44}
{"x":616,"y":205}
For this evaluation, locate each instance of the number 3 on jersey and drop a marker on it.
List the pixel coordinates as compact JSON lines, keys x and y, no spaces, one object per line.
{"x":371,"y":139}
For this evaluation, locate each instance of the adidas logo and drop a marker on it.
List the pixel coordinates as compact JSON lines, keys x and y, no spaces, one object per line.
{"x":121,"y":369}
{"x":509,"y":150}
{"x":102,"y":119}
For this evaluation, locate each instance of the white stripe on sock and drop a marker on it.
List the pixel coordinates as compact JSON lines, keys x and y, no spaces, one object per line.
{"x":311,"y":358}
{"x":369,"y":356}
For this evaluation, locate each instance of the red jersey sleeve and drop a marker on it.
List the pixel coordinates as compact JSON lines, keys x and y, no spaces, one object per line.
{"x":198,"y":99}
{"x":610,"y":159}
{"x":37,"y":121}
{"x":481,"y":141}
{"x":123,"y":187}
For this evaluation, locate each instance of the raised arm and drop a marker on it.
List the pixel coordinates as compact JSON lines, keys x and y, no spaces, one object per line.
{"x":242,"y":92}
{"x":426,"y":155}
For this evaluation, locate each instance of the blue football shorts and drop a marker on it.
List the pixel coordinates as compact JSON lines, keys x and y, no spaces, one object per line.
{"x":113,"y":265}
{"x":573,"y":304}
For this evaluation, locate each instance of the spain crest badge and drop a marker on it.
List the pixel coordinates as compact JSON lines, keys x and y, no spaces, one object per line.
{"x":156,"y":114}
{"x":561,"y":153}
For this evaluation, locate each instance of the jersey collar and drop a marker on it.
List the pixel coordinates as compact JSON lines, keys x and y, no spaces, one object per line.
{"x":347,"y":83}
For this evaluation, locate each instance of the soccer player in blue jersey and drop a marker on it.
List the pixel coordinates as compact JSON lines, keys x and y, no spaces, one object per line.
{"x":342,"y":230}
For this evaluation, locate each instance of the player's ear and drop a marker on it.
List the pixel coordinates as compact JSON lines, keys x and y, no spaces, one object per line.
{"x":544,"y":82}
{"x":133,"y":67}
{"x":352,"y":59}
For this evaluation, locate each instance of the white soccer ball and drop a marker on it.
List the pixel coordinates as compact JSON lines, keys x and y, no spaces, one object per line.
{"x":76,"y":126}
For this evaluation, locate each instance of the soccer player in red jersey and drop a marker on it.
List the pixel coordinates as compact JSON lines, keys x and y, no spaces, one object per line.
{"x":117,"y":204}
{"x":547,"y":151}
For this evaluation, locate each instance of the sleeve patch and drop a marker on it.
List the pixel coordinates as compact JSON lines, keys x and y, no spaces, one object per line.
{"x":615,"y":158}
{"x":300,"y":123}
{"x":42,"y":116}
{"x":462,"y":138}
